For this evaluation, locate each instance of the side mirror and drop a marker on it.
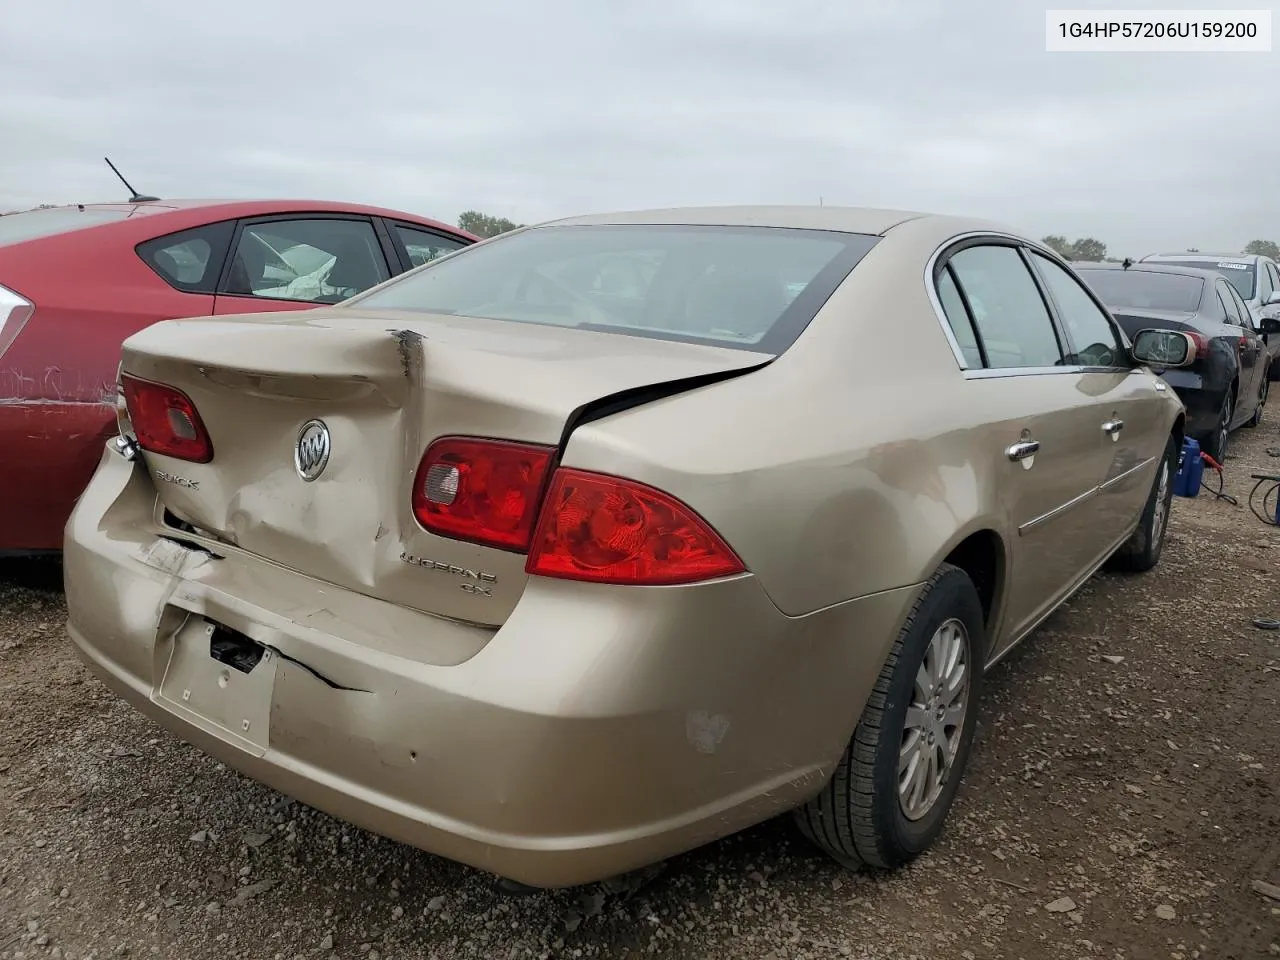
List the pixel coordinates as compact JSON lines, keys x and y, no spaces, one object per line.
{"x":1164,"y":348}
{"x":1270,"y":324}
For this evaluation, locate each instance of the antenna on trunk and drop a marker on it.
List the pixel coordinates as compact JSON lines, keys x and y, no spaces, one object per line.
{"x":134,"y":195}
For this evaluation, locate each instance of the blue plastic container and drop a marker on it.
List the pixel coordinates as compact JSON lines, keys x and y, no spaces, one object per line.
{"x":1186,"y":482}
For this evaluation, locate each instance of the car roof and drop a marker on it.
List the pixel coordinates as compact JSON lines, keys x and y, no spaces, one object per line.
{"x":227,"y":209}
{"x":865,"y":220}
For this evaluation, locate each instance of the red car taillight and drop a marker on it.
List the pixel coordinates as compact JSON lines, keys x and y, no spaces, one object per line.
{"x":165,"y":421}
{"x":1202,"y":345}
{"x":483,"y":491}
{"x":15,"y":311}
{"x":609,"y":530}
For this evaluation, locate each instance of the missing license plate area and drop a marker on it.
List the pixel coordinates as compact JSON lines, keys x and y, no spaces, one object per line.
{"x":234,"y":648}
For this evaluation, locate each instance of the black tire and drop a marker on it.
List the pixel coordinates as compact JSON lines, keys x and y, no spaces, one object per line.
{"x":1263,"y":389}
{"x":859,"y":818}
{"x":1142,"y":551}
{"x":1217,"y":442}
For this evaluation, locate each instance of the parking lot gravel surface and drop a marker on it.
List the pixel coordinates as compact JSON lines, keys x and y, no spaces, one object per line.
{"x":1123,"y":802}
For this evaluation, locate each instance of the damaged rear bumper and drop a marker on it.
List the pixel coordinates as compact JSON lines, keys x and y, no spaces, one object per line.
{"x":598,"y":730}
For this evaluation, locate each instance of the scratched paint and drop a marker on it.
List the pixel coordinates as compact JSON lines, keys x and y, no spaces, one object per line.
{"x":705,"y":730}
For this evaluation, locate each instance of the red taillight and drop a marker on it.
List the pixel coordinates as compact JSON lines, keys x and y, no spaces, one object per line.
{"x":165,"y":420}
{"x":608,"y":530}
{"x":1202,"y":345}
{"x":484,"y":491}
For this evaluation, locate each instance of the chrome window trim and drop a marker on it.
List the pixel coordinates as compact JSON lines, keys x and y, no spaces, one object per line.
{"x":987,"y":373}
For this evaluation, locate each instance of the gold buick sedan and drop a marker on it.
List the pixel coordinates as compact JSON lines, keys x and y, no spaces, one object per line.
{"x":605,"y":538}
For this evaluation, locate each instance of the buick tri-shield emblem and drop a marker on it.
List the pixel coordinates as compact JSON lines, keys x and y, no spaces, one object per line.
{"x":312,"y":451}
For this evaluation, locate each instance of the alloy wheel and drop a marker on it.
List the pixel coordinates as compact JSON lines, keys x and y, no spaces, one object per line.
{"x":935,"y":720}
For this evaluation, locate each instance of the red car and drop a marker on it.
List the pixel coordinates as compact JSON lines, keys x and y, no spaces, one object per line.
{"x":75,"y":281}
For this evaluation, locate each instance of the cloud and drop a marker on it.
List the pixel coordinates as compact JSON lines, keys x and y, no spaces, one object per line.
{"x":534,"y":111}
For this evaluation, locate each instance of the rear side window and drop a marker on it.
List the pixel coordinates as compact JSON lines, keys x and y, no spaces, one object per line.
{"x":1005,"y":305}
{"x":190,"y":260}
{"x":958,"y":319}
{"x":36,"y":224}
{"x":751,"y":288}
{"x":1242,"y":308}
{"x":1228,"y":305}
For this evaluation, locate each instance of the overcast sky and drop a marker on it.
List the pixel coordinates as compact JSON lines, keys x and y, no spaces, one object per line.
{"x":547,"y":108}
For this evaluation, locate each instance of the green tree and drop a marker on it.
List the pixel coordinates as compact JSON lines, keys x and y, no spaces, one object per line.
{"x":483,"y":225}
{"x":1087,"y":248}
{"x":1264,"y":248}
{"x":1059,"y":244}
{"x":1084,"y":248}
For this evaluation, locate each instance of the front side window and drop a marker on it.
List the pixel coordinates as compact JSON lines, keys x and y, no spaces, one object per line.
{"x":317,"y":261}
{"x":1093,"y":338}
{"x":747,"y":287}
{"x":424,"y":246}
{"x":1265,"y":285}
{"x":1008,"y":313}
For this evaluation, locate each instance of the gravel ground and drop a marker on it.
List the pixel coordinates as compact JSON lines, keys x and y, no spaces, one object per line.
{"x":1122,"y":803}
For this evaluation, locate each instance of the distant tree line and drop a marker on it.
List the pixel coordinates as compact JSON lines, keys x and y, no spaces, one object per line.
{"x":483,"y":225}
{"x":1087,"y":248}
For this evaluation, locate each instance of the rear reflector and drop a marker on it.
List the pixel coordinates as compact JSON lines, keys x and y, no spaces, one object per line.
{"x":482,"y":491}
{"x":608,"y":530}
{"x":165,"y":421}
{"x":15,"y":311}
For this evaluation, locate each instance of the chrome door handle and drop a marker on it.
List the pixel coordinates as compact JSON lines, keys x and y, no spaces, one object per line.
{"x":1112,"y":427}
{"x":1022,"y":449}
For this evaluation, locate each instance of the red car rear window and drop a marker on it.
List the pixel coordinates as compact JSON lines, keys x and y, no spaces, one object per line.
{"x":34,"y":224}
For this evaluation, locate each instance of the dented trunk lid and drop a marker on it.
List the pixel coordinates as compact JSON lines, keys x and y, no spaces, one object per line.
{"x":385,"y":384}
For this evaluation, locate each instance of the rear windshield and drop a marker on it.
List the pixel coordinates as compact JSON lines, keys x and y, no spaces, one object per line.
{"x":753,"y":288}
{"x":34,"y":224}
{"x":1139,"y":289}
{"x":1239,"y":272}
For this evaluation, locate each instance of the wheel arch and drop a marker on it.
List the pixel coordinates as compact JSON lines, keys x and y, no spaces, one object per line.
{"x":981,"y":552}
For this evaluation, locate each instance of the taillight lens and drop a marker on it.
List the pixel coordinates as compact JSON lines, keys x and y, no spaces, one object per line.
{"x":15,"y":311}
{"x":483,"y":491}
{"x":1202,"y":345}
{"x":609,"y":530}
{"x":165,"y":421}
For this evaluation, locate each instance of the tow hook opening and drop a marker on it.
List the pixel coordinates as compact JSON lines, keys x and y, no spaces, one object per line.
{"x":235,"y":649}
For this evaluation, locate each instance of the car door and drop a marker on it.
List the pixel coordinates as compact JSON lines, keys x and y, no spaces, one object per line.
{"x":1035,"y":420}
{"x":1127,"y":400}
{"x":1251,"y":352}
{"x":301,"y":261}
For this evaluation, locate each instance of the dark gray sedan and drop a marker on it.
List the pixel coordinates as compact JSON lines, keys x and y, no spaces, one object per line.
{"x":1227,"y":385}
